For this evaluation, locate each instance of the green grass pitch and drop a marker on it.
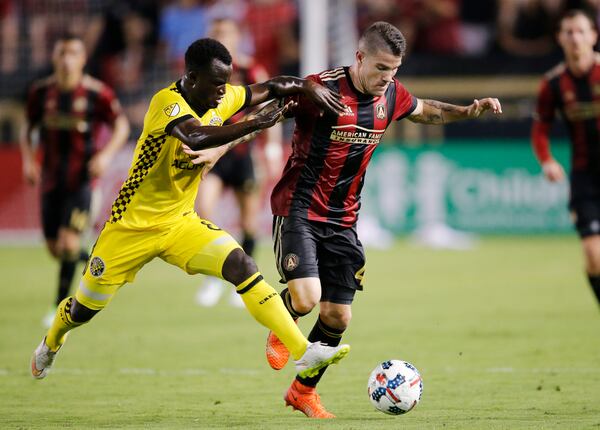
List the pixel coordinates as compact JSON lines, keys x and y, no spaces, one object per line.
{"x":506,"y":336}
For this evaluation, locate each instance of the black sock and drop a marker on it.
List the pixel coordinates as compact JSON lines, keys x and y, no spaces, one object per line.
{"x":595,"y":284}
{"x":84,"y":256}
{"x":248,"y":243}
{"x":328,"y":335}
{"x":287,"y":301}
{"x":65,"y":278}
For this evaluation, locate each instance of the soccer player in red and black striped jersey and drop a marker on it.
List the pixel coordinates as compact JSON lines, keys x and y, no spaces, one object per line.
{"x":573,"y":89}
{"x":316,"y":202}
{"x":68,"y":108}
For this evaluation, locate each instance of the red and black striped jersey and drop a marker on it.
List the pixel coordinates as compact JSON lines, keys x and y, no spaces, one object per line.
{"x":69,"y":122}
{"x":325,"y":172}
{"x":577,"y":99}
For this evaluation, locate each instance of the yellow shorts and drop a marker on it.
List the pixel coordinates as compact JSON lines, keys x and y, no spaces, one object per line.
{"x":195,"y":245}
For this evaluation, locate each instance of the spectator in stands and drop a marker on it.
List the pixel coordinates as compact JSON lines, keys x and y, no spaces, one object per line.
{"x":180,"y":24}
{"x":9,"y":37}
{"x":438,"y":26}
{"x":525,"y":27}
{"x":272,"y":24}
{"x":477,"y":26}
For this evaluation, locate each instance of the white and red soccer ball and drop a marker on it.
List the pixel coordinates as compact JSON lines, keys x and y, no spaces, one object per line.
{"x":395,"y":387}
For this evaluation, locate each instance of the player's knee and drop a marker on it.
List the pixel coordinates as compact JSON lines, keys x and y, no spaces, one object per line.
{"x":238,"y":267}
{"x":81,"y":313}
{"x":304,"y":303}
{"x":592,"y":258}
{"x":53,"y":248}
{"x":338,"y":318}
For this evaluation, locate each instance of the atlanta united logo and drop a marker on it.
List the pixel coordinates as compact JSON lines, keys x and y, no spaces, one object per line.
{"x":172,"y":110}
{"x":97,"y":267}
{"x":290,"y":262}
{"x":380,"y":108}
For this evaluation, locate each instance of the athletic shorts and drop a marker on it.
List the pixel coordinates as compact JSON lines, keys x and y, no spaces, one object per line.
{"x":191,"y":243}
{"x":65,"y":209}
{"x":585,"y":203}
{"x":308,"y":249}
{"x":236,"y":170}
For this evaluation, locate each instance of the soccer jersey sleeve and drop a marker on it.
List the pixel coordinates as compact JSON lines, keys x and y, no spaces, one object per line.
{"x":167,"y":109}
{"x":34,"y":105}
{"x":545,"y":106}
{"x":108,"y":107}
{"x":236,"y":98}
{"x":405,"y":104}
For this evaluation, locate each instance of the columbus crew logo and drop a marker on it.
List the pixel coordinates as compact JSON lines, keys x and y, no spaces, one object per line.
{"x":216,"y":121}
{"x":380,"y":108}
{"x":97,"y":267}
{"x":290,"y":262}
{"x":172,"y":110}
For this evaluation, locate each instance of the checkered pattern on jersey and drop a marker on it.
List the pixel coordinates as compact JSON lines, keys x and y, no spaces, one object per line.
{"x":148,"y":156}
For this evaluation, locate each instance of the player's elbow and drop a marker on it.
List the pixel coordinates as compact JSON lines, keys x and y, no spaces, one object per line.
{"x":197,"y":140}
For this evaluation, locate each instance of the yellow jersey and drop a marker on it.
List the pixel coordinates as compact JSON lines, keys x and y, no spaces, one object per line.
{"x":162,"y":182}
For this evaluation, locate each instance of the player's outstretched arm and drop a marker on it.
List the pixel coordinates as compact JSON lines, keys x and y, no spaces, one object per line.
{"x":436,"y":112}
{"x":198,"y":137}
{"x":120,"y":133}
{"x":31,"y":169}
{"x":209,"y":157}
{"x":540,"y":142}
{"x":283,"y":86}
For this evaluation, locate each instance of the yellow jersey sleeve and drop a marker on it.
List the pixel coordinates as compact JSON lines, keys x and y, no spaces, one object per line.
{"x":167,"y":109}
{"x":236,"y":98}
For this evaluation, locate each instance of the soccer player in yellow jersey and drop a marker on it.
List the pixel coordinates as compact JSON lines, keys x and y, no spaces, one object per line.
{"x":153,"y":215}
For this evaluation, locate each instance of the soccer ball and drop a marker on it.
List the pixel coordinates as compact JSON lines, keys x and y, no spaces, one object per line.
{"x":395,"y":387}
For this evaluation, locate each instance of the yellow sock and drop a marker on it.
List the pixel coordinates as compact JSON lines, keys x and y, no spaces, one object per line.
{"x":61,"y":326}
{"x":265,"y":305}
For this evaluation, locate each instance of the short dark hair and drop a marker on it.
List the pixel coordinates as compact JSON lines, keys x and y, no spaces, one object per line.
{"x":572,"y":13}
{"x":383,"y":35}
{"x":68,"y":36}
{"x":203,"y":51}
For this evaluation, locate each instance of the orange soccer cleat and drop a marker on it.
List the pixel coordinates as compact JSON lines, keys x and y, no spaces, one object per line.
{"x":277,"y":354}
{"x":306,"y":400}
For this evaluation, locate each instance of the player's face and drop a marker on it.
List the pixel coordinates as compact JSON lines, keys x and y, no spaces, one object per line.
{"x":577,"y":36}
{"x":68,"y":57}
{"x":377,"y":70}
{"x":208,"y":87}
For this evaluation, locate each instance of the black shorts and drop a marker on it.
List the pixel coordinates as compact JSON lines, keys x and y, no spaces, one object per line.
{"x":65,"y":209}
{"x":585,"y":202}
{"x":236,"y":170}
{"x":308,"y":249}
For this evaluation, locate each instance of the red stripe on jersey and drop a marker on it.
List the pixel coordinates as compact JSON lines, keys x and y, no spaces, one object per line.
{"x":281,"y":196}
{"x":77,"y":149}
{"x":50,"y":140}
{"x":594,"y":82}
{"x":336,"y":151}
{"x":580,"y":152}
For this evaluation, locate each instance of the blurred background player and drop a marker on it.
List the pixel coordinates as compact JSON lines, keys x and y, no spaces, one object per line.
{"x":235,"y":169}
{"x":65,"y":112}
{"x":316,"y":202}
{"x":573,"y":88}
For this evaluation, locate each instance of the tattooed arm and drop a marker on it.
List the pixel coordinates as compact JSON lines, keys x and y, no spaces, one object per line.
{"x":435,"y":112}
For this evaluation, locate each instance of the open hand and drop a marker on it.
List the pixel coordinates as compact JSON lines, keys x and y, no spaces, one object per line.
{"x":31,"y":172}
{"x":478,"y":107}
{"x":324,"y":98}
{"x":553,"y":171}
